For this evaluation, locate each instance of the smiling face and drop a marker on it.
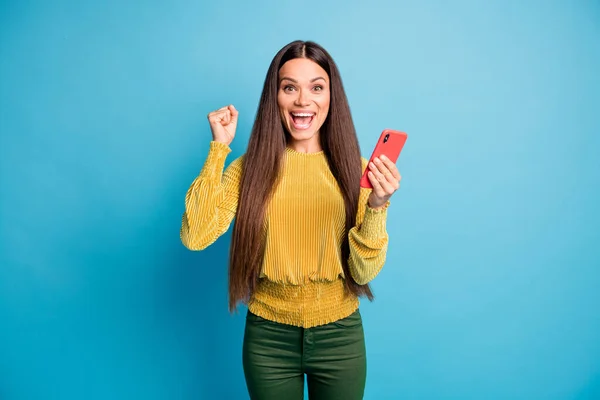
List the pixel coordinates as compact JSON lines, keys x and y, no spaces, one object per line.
{"x":303,"y":98}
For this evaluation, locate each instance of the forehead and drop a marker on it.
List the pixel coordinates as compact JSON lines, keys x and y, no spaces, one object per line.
{"x":302,"y":69}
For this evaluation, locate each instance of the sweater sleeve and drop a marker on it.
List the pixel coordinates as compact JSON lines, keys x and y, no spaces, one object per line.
{"x":368,"y":239}
{"x":211,"y":200}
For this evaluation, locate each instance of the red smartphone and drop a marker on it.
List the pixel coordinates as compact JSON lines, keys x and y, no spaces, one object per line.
{"x":390,"y":144}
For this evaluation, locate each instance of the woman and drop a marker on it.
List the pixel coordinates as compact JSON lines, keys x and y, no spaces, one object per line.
{"x":307,"y":238}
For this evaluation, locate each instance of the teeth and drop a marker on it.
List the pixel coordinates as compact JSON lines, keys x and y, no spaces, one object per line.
{"x":302,"y":114}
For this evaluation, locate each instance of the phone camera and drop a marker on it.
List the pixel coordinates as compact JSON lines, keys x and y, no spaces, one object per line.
{"x":385,"y":139}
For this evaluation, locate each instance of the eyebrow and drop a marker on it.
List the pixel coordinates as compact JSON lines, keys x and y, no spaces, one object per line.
{"x":295,"y":81}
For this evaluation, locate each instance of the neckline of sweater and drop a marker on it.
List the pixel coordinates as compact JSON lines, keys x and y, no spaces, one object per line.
{"x":289,"y":150}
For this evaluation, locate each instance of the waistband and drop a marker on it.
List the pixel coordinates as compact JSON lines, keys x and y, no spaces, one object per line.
{"x":306,"y":305}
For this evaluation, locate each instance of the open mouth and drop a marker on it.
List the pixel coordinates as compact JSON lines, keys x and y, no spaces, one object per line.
{"x":302,"y":120}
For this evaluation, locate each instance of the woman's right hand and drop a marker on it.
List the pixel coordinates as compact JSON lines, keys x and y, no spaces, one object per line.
{"x":223,"y":123}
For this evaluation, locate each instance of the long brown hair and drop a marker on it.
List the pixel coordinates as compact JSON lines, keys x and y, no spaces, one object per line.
{"x":262,"y":165}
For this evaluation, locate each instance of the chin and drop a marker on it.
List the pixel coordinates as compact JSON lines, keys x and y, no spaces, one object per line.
{"x":301,"y":136}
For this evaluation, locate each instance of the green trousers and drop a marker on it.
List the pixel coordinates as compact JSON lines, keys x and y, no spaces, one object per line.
{"x":277,"y":356}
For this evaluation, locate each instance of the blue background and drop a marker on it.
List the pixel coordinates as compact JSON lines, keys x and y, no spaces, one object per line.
{"x":491,"y":286}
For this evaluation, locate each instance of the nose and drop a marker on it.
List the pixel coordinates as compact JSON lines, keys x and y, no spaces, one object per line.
{"x":302,"y":99}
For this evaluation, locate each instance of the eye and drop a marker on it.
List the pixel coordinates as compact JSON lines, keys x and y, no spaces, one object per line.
{"x":318,"y":88}
{"x":288,"y":88}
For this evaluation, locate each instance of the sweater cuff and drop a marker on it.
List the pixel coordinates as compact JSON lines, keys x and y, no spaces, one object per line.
{"x":215,"y":161}
{"x":374,"y":223}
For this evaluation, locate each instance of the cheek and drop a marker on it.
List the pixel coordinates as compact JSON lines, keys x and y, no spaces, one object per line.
{"x":282,"y":108}
{"x":324,"y":105}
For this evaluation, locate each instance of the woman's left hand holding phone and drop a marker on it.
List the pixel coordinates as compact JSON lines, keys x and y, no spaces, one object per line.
{"x":385,"y":179}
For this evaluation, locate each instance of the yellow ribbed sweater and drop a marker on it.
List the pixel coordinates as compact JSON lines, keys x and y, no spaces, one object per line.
{"x":301,"y":281}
